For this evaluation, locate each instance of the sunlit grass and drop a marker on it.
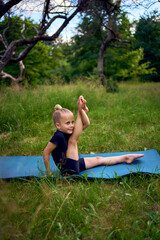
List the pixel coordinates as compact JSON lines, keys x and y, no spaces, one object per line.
{"x":124,"y":208}
{"x":124,"y":121}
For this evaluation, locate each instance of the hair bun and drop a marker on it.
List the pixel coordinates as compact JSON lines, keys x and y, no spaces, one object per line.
{"x":57,"y":107}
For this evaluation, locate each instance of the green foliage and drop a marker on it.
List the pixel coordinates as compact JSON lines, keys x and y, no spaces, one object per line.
{"x":147,"y":37}
{"x":64,"y":72}
{"x":125,"y":28}
{"x":82,"y":54}
{"x":129,"y":67}
{"x":39,"y":63}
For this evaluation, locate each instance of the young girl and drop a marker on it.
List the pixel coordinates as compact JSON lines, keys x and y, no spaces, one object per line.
{"x":63,"y":145}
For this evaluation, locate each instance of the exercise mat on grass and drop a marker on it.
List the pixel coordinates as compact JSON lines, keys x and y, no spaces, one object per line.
{"x":27,"y":166}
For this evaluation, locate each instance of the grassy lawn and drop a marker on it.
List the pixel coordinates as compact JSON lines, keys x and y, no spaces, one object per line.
{"x":125,"y":208}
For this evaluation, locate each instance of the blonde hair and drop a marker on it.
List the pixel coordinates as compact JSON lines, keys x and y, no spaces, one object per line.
{"x":57,"y":107}
{"x":58,"y":111}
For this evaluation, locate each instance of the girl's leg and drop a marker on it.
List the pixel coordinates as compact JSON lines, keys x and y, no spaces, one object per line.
{"x":72,"y":150}
{"x":96,"y":161}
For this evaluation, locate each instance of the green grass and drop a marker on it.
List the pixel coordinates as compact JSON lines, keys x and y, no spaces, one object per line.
{"x":125,"y":208}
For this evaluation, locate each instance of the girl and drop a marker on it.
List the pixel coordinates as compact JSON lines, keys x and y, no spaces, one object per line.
{"x":63,"y":145}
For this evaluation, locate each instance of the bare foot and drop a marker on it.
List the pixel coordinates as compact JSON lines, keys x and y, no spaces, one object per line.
{"x":129,"y":158}
{"x":81,"y":103}
{"x":85,"y":108}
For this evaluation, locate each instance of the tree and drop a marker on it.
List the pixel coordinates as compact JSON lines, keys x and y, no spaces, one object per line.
{"x":147,"y":37}
{"x":102,"y":25}
{"x":104,"y":22}
{"x":50,"y":13}
{"x":110,"y":23}
{"x":119,"y":63}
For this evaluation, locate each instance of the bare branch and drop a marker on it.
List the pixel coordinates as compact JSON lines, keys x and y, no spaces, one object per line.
{"x":45,"y":12}
{"x":22,"y":73}
{"x":13,"y":79}
{"x":3,"y":37}
{"x":34,"y":40}
{"x":5,"y":7}
{"x":6,"y":75}
{"x":3,"y":51}
{"x":122,"y":41}
{"x":24,"y":53}
{"x":35,"y":29}
{"x":111,"y":30}
{"x":51,"y":21}
{"x":22,"y":31}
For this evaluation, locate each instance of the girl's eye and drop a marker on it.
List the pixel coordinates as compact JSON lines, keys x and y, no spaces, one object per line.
{"x":70,"y":122}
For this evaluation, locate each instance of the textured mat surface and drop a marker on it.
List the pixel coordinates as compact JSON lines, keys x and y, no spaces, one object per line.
{"x":26,"y":166}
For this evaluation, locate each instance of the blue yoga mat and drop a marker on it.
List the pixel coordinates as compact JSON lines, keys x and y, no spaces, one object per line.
{"x":26,"y":166}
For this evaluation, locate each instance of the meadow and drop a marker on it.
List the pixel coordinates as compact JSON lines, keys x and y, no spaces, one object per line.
{"x":76,"y":208}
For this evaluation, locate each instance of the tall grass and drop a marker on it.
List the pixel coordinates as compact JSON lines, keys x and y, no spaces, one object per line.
{"x":125,"y":208}
{"x":124,"y":121}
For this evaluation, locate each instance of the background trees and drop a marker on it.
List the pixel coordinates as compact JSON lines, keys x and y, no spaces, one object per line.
{"x":105,"y":44}
{"x":120,"y":63}
{"x":147,"y":36}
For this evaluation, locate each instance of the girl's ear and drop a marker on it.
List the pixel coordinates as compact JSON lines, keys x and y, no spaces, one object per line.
{"x":57,"y":125}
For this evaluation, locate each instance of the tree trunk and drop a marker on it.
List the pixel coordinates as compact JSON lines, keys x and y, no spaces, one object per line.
{"x":109,"y":38}
{"x":101,"y":64}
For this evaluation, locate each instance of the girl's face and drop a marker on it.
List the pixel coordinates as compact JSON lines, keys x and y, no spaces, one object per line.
{"x":66,"y":123}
